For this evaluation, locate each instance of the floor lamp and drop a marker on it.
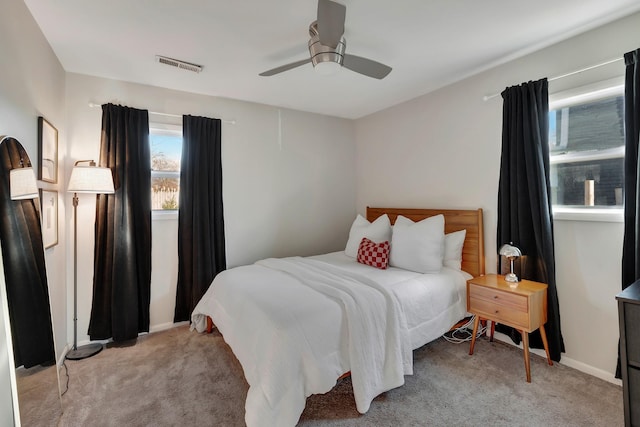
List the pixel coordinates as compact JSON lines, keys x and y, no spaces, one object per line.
{"x":93,"y":180}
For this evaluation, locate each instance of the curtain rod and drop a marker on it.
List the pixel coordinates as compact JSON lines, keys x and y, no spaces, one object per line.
{"x":582,"y":70}
{"x":178,"y":116}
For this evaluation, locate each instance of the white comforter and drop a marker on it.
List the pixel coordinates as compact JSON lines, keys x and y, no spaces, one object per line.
{"x":296,"y":324}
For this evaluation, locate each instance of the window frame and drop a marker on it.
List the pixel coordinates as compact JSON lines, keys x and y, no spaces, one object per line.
{"x":580,"y":95}
{"x":171,"y":130}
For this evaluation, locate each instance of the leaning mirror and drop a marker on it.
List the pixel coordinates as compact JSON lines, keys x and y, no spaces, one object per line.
{"x":27,"y":290}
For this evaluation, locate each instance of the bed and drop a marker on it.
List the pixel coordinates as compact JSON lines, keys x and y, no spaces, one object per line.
{"x":297,"y":325}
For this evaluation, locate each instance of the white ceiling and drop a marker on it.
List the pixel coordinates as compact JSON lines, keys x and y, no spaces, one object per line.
{"x":429,"y":44}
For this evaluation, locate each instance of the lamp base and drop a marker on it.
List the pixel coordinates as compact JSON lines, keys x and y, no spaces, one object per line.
{"x":511,"y":277}
{"x":84,"y":352}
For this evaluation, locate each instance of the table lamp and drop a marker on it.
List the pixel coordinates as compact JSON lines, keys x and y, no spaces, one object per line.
{"x":511,"y":253}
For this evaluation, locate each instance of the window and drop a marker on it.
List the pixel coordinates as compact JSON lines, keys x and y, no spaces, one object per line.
{"x":166,"y":152}
{"x":586,"y":150}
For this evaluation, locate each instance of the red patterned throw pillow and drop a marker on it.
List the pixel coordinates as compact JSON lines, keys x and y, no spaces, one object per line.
{"x":373,"y":254}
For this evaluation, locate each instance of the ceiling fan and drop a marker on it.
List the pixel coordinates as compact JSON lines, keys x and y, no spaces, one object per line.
{"x":327,"y":46}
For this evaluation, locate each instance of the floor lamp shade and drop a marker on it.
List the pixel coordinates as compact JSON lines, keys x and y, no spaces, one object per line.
{"x":91,"y":179}
{"x":22,"y":182}
{"x":94,"y":180}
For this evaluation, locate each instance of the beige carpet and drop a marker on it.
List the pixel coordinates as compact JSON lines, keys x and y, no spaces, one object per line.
{"x":181,"y":378}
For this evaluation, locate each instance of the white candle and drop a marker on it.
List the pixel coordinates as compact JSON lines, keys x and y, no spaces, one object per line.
{"x":589,"y":193}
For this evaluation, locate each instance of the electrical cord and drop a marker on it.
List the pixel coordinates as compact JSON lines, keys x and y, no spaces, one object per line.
{"x":464,"y":333}
{"x":66,"y":370}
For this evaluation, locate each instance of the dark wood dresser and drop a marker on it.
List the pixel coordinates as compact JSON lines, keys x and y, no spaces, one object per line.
{"x":629,"y":314}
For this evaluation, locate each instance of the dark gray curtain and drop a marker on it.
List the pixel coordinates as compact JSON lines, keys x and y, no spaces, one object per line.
{"x":524,"y":197}
{"x":24,"y":267}
{"x":122,"y":266}
{"x":631,"y":244}
{"x":201,"y":246}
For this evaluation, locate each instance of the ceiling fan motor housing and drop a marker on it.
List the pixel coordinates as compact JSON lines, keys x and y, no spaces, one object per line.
{"x":321,"y":53}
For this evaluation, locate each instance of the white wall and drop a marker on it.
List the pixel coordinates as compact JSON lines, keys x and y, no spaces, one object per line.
{"x":32,"y":84}
{"x":443,"y":150}
{"x":288,"y":186}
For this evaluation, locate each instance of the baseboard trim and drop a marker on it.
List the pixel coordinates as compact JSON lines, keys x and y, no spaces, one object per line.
{"x":566,"y":361}
{"x":63,"y":356}
{"x":152,"y":329}
{"x":588,"y":369}
{"x":167,"y":325}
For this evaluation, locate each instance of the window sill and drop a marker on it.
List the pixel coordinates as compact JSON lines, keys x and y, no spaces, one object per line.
{"x":588,"y":214}
{"x":164,"y":215}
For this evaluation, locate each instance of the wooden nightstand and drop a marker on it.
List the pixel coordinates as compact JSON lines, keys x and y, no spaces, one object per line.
{"x":523,"y":307}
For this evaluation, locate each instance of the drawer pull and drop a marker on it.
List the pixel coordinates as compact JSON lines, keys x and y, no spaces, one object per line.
{"x":495,"y":297}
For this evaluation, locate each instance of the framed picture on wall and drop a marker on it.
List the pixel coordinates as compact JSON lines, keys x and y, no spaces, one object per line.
{"x":47,"y":151}
{"x":49,"y":212}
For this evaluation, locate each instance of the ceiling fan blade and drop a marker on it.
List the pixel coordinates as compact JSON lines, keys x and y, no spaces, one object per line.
{"x":286,"y":67}
{"x":331,"y":17}
{"x":366,"y":66}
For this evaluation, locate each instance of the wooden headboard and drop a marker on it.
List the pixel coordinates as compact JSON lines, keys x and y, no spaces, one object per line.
{"x":454,"y":220}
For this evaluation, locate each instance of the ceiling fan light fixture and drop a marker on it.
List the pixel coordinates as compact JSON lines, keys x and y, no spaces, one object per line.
{"x":327,"y":68}
{"x":325,"y":59}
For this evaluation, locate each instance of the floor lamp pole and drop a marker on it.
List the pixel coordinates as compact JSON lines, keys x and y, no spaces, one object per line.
{"x":89,"y":349}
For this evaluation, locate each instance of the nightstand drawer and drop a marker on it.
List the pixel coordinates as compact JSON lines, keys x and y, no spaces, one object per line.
{"x":496,"y":297}
{"x":499,"y":313}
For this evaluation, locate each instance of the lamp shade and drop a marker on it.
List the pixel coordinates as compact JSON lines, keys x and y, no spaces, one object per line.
{"x":510,"y":251}
{"x":91,"y":179}
{"x":23,"y":184}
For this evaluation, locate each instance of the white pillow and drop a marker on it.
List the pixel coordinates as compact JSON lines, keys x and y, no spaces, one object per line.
{"x":453,"y":243}
{"x":377,"y":231}
{"x":418,"y":246}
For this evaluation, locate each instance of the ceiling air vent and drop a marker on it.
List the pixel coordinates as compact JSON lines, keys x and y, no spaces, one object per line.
{"x":179,"y":64}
